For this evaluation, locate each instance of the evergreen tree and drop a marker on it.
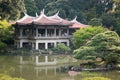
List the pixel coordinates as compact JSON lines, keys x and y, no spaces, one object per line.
{"x":11,"y":9}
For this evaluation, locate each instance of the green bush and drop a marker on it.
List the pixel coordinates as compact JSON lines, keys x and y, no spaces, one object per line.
{"x":6,"y":77}
{"x":96,"y":78}
{"x":61,"y":48}
{"x":3,"y":46}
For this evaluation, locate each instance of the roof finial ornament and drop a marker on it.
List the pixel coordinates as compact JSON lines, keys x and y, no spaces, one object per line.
{"x":25,"y":13}
{"x":36,"y":14}
{"x":57,"y":13}
{"x":75,"y":19}
{"x":43,"y":10}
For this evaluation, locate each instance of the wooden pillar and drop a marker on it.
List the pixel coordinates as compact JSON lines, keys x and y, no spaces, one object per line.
{"x":46,"y":45}
{"x":36,"y":32}
{"x":36,"y":45}
{"x":59,"y":32}
{"x":55,"y":44}
{"x":68,"y":43}
{"x":33,"y":45}
{"x":68,"y":31}
{"x":21,"y":44}
{"x":55,"y":32}
{"x":45,"y":32}
{"x":21,"y":32}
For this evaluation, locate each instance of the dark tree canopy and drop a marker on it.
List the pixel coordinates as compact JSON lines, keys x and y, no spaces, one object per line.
{"x":11,"y":9}
{"x":84,"y":9}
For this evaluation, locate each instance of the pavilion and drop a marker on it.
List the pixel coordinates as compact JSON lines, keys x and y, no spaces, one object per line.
{"x":44,"y":32}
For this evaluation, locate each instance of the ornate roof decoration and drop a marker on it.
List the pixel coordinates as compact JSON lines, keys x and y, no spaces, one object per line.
{"x":36,"y":14}
{"x":26,"y":19}
{"x":42,"y":19}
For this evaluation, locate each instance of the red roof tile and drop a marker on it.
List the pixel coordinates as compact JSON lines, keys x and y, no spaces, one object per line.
{"x":77,"y":24}
{"x":25,"y":20}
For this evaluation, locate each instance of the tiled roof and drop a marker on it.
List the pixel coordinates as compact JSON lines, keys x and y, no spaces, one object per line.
{"x":25,"y":20}
{"x":42,"y":19}
{"x":77,"y":24}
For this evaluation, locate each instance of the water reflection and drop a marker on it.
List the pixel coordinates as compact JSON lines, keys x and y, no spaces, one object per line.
{"x":35,"y":60}
{"x":25,"y":67}
{"x":40,"y":68}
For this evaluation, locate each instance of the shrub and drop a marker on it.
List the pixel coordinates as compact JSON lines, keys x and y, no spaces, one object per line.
{"x":96,"y":78}
{"x":61,"y":48}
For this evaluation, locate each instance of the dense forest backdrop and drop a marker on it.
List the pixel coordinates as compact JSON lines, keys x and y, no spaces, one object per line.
{"x":94,"y":12}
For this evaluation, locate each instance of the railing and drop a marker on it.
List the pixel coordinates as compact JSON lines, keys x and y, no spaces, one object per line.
{"x":45,"y":37}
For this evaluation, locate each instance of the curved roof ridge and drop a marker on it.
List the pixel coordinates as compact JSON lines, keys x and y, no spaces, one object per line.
{"x":75,"y":20}
{"x":77,"y":24}
{"x":44,"y":17}
{"x":26,"y":16}
{"x":56,"y":16}
{"x":40,"y":16}
{"x":36,"y":14}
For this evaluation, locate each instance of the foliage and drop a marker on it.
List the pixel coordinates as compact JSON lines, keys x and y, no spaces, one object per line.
{"x":6,"y":31}
{"x":3,"y":46}
{"x":6,"y":77}
{"x":31,"y":7}
{"x":81,"y":36}
{"x":95,"y":22}
{"x":117,"y":16}
{"x":11,"y":9}
{"x":104,"y":45}
{"x":61,"y":48}
{"x":96,"y":78}
{"x":108,"y":20}
{"x":85,"y":10}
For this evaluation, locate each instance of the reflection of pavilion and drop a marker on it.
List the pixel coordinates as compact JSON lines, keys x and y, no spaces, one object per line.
{"x":35,"y":60}
{"x":40,"y":71}
{"x":46,"y":68}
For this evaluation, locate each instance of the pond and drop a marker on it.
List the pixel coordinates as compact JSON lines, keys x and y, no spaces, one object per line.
{"x":26,"y":67}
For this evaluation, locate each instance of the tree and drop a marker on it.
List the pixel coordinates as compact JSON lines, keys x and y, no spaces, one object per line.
{"x":108,"y":21}
{"x":6,"y":30}
{"x":6,"y":34}
{"x":81,"y":36}
{"x":11,"y":9}
{"x":31,"y":7}
{"x":95,"y":22}
{"x":117,"y":16}
{"x":84,"y":9}
{"x":65,"y":9}
{"x":104,"y":45}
